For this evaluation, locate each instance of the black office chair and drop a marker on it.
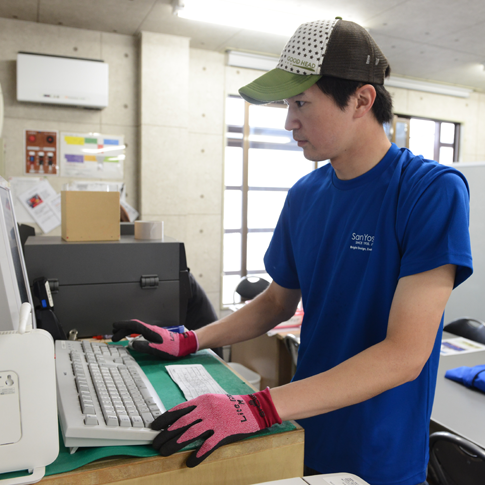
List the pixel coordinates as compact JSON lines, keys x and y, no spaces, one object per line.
{"x":455,"y":461}
{"x":250,"y":287}
{"x":469,"y":328}
{"x":25,"y":231}
{"x":292,"y":343}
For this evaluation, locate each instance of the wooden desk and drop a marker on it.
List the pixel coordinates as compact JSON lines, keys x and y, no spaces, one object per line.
{"x":270,"y":457}
{"x":256,"y":460}
{"x":456,"y":408}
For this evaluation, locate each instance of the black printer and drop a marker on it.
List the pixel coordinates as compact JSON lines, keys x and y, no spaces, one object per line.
{"x":94,"y":284}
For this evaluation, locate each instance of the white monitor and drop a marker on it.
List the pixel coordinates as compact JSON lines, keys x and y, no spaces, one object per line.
{"x":14,"y":284}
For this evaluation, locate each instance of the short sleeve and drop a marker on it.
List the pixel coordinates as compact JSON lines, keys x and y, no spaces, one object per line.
{"x":279,"y":259}
{"x":434,"y":226}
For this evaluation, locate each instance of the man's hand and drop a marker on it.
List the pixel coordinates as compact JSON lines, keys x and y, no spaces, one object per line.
{"x":217,"y":419}
{"x":162,"y":343}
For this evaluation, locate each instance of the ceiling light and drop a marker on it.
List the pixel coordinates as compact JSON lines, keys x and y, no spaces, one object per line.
{"x":436,"y":88}
{"x":239,"y":15}
{"x":251,"y":61}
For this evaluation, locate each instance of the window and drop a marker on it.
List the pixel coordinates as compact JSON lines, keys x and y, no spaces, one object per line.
{"x":435,"y":140}
{"x":262,"y":161}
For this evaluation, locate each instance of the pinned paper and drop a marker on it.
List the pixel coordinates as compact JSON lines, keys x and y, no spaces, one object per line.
{"x":43,"y":204}
{"x":92,"y":155}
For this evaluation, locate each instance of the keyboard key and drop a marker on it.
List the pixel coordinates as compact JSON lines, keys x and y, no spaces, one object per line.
{"x":125,"y":421}
{"x":137,"y":421}
{"x":147,"y":418}
{"x":91,"y":420}
{"x":111,"y":420}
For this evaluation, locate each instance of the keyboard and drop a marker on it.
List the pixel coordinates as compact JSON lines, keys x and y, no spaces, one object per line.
{"x":104,"y":397}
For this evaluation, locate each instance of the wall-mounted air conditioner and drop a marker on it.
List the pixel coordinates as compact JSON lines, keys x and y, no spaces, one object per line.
{"x":60,"y":80}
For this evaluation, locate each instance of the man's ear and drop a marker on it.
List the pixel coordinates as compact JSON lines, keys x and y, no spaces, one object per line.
{"x":364,"y":100}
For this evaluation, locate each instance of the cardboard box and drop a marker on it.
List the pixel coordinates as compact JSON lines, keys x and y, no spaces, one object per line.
{"x":90,"y":216}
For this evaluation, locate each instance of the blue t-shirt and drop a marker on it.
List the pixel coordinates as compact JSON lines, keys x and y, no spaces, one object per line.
{"x":345,"y":244}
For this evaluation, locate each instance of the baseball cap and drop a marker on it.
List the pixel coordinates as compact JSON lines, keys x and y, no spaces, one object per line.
{"x":337,"y":48}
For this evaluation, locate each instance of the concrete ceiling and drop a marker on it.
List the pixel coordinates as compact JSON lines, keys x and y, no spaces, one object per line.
{"x":436,"y":40}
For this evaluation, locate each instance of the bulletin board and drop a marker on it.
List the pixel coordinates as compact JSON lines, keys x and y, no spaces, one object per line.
{"x":92,"y":155}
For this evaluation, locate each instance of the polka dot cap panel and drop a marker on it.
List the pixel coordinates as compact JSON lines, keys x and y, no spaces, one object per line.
{"x":304,"y":52}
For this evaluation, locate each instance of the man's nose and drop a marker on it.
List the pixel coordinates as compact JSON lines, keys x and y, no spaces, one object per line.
{"x":291,"y":123}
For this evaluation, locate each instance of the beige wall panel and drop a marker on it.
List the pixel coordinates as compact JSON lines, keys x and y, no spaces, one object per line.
{"x":131,"y":172}
{"x":164,"y":170}
{"x":206,"y":92}
{"x":467,"y":112}
{"x":436,"y":106}
{"x":204,"y":182}
{"x":237,"y":77}
{"x":173,"y":226}
{"x":399,"y":99}
{"x":25,"y":10}
{"x":121,"y":53}
{"x":44,"y":112}
{"x":473,"y":158}
{"x":17,"y":35}
{"x":480,"y":147}
{"x":469,"y":140}
{"x":203,"y":240}
{"x":164,"y":80}
{"x":464,"y":110}
{"x":75,"y":43}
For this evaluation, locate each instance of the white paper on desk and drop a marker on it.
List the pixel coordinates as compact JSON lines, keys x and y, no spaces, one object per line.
{"x":335,"y":479}
{"x":194,"y":380}
{"x":43,"y":204}
{"x":131,"y":211}
{"x":460,"y":345}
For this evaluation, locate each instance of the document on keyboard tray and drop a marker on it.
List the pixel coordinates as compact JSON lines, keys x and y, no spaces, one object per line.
{"x":194,"y":380}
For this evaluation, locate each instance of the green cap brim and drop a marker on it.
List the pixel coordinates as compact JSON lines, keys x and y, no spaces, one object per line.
{"x":276,"y":85}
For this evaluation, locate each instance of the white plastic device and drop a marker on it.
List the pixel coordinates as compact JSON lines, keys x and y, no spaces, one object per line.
{"x":67,"y":81}
{"x":29,"y":437}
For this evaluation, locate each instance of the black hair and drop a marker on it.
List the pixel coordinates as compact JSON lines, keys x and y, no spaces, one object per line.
{"x":342,"y":89}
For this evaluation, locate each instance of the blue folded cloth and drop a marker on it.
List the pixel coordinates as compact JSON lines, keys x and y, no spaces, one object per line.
{"x":469,"y":376}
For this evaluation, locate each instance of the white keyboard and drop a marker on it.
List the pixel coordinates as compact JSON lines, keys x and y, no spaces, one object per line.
{"x":104,"y":397}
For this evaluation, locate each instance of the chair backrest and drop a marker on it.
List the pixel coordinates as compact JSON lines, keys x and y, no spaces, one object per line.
{"x":456,"y":461}
{"x":292,"y":343}
{"x":469,"y":328}
{"x":250,"y":287}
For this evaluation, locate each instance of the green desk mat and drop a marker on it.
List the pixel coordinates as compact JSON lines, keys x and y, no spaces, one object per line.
{"x":171,"y":395}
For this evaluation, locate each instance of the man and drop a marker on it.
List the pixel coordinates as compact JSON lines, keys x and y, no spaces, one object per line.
{"x":373,"y":243}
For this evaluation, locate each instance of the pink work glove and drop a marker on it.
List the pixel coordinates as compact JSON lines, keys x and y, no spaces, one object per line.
{"x":162,"y":343}
{"x":217,"y":419}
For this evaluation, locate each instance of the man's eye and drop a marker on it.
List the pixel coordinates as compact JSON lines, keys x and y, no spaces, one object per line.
{"x":300,"y":103}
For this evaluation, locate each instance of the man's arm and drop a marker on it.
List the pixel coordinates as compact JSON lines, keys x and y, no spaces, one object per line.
{"x":416,"y":311}
{"x":275,"y":305}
